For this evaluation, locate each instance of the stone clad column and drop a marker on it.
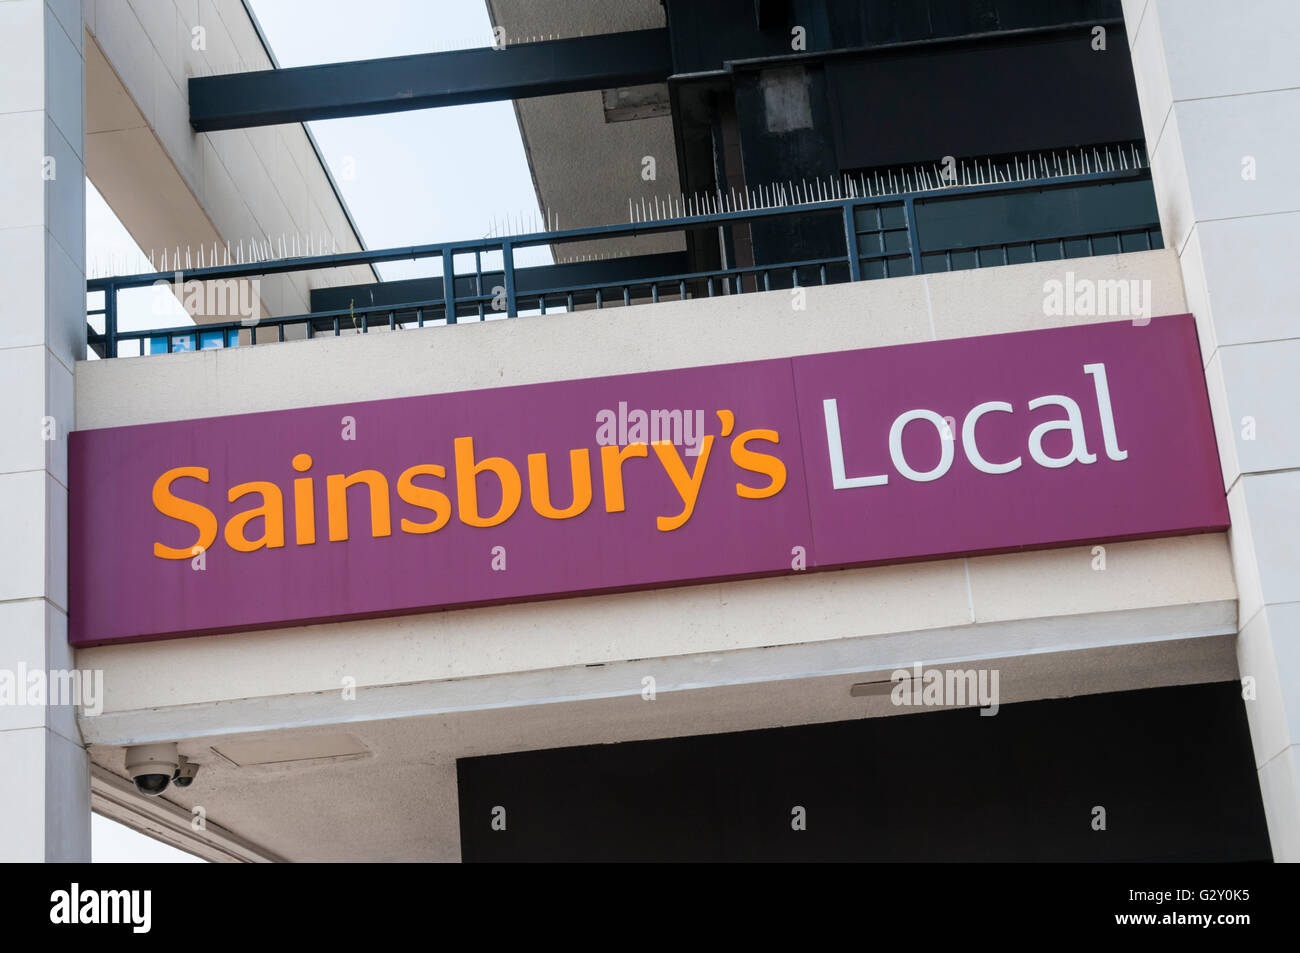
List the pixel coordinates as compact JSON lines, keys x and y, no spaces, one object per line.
{"x":44,"y":774}
{"x":1219,"y":85}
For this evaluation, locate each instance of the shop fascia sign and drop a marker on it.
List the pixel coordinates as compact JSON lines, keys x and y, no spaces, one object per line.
{"x":925,"y":451}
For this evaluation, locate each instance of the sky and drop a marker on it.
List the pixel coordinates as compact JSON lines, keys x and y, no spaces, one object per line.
{"x":416,"y":177}
{"x":111,"y":842}
{"x":408,"y":178}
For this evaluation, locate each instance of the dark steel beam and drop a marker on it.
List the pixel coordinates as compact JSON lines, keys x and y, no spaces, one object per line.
{"x":426,"y":80}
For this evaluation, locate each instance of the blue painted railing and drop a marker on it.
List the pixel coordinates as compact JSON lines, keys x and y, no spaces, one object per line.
{"x":881,"y":239}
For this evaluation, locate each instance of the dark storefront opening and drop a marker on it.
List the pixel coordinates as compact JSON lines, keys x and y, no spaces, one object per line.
{"x":1172,"y":768}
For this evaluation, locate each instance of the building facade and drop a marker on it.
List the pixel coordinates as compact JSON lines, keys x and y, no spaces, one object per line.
{"x":856,"y":252}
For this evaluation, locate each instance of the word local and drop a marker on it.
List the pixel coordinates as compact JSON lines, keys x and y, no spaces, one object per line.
{"x":1073,"y":422}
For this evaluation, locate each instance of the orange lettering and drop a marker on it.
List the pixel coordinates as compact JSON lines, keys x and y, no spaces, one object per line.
{"x":198,"y":516}
{"x":336,"y":496}
{"x":539,"y":485}
{"x":304,"y":503}
{"x":611,"y":469}
{"x":424,"y":497}
{"x":764,"y":463}
{"x":467,"y":472}
{"x":271,"y":511}
{"x":687,"y":484}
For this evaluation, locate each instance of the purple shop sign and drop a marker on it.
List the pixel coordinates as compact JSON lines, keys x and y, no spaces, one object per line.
{"x":922,"y":451}
{"x":1155,"y":473}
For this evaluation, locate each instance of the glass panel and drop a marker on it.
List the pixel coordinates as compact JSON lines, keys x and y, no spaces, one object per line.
{"x":837,"y":272}
{"x":900,"y":266}
{"x":1134,"y":241}
{"x":1105,"y":245}
{"x":180,"y":342}
{"x":934,"y":262}
{"x":1010,"y":217}
{"x":962,"y":260}
{"x":1019,"y":254}
{"x":1047,"y":251}
{"x":869,"y":244}
{"x":866,"y":217}
{"x":893,"y":216}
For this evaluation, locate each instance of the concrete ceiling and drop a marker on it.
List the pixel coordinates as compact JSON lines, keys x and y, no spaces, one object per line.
{"x":171,"y":189}
{"x":586,"y":169}
{"x":398,"y":801}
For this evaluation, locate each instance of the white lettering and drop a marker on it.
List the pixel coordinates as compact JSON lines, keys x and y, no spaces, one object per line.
{"x":830,"y":409}
{"x":968,"y":438}
{"x":896,"y":446}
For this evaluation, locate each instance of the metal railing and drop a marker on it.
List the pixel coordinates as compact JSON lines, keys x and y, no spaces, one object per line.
{"x":879,"y":233}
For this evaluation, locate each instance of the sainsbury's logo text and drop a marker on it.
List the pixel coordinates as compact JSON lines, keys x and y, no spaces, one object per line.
{"x":417,"y":488}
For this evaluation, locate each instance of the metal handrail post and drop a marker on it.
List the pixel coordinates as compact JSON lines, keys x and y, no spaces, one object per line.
{"x":913,"y":240}
{"x":508,"y":263}
{"x":110,"y":320}
{"x":851,"y":243}
{"x":449,"y":284}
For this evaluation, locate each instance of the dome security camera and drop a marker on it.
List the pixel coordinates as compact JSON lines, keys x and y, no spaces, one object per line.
{"x":185,"y":771}
{"x":152,"y":767}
